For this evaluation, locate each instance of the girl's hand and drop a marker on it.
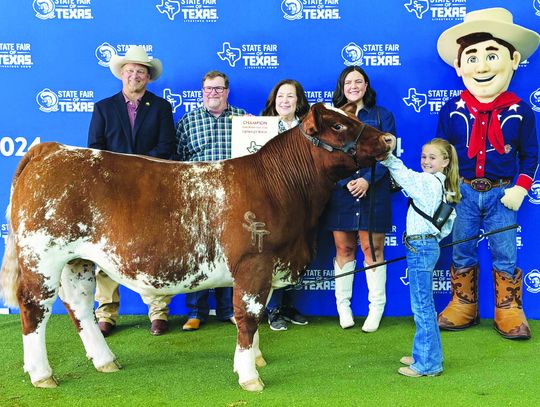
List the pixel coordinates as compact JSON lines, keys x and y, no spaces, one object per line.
{"x":358,"y":187}
{"x":391,"y":142}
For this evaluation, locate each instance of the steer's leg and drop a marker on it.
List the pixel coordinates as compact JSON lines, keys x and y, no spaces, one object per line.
{"x":36,"y":294}
{"x":78,"y":284}
{"x":249,"y":304}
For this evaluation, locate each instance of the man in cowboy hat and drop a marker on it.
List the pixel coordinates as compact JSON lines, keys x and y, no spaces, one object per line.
{"x":134,"y":121}
{"x":494,"y":133}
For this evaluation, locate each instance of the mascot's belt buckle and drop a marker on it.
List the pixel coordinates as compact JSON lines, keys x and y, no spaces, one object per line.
{"x":481,"y":184}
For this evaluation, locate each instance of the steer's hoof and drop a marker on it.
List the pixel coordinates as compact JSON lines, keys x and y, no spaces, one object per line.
{"x":110,"y":367}
{"x":47,"y":383}
{"x":260,"y":362}
{"x":253,"y":385}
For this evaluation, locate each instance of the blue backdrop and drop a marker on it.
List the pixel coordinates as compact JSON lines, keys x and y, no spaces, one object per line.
{"x":54,"y":65}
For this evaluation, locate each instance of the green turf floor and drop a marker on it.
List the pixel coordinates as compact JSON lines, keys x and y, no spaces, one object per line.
{"x":315,"y":365}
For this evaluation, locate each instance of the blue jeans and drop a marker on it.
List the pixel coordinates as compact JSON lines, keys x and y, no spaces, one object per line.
{"x":427,"y":348}
{"x":474,"y":209}
{"x":281,"y":298}
{"x":197,"y":303}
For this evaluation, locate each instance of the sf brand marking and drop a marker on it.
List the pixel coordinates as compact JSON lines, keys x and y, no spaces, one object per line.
{"x":256,"y":234}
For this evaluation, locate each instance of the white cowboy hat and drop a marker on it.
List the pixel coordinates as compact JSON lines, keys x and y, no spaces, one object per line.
{"x":136,"y":55}
{"x":495,"y":21}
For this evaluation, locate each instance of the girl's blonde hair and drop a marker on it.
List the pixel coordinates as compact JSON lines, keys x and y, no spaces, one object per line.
{"x":451,"y":171}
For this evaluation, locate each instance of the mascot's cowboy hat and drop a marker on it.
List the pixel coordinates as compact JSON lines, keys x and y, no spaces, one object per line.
{"x":136,"y":55}
{"x":495,"y":21}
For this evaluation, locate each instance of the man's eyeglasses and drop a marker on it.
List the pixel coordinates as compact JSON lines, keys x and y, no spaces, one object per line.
{"x":218,"y":89}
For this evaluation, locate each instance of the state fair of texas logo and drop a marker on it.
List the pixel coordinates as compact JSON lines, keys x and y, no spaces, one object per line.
{"x":169,"y":7}
{"x":352,"y":54}
{"x":535,"y":99}
{"x":104,"y":53}
{"x":532,"y":281}
{"x":292,"y":9}
{"x":252,"y":56}
{"x":415,"y":100}
{"x":534,"y":193}
{"x":439,"y":10}
{"x":418,"y":7}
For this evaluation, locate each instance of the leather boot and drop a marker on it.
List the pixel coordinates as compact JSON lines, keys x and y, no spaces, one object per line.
{"x":344,"y":286}
{"x":376,"y":282}
{"x":462,"y":310}
{"x":510,"y":320}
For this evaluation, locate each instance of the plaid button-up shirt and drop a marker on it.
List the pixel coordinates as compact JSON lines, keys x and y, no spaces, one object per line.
{"x":202,"y":137}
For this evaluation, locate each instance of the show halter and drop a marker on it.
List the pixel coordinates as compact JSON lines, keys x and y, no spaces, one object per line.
{"x":347,"y":148}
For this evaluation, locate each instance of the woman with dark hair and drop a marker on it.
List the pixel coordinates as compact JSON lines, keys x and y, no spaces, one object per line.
{"x":288,"y":101}
{"x":347,"y":213}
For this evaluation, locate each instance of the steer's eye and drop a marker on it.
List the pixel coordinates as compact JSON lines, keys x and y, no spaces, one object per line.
{"x":338,"y":127}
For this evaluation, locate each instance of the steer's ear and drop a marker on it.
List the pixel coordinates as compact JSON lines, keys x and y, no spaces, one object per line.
{"x":310,"y":121}
{"x":349,"y":108}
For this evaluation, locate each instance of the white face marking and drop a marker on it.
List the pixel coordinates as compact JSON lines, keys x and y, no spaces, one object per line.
{"x":335,"y":109}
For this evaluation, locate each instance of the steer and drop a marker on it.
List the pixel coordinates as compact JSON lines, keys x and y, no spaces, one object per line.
{"x":166,"y":227}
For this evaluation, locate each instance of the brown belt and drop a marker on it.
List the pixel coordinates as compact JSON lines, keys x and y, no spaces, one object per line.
{"x":485,"y":184}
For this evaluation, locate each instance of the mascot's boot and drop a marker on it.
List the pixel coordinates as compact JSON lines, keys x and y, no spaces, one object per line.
{"x":344,"y":287}
{"x":510,"y":320}
{"x":462,"y":310}
{"x":376,"y":282}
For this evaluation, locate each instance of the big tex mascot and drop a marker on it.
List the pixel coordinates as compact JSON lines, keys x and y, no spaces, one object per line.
{"x":494,"y":133}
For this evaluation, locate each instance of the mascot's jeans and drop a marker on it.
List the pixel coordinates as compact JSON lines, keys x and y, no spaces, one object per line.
{"x":427,"y":348}
{"x":197,"y":303}
{"x":474,"y":209}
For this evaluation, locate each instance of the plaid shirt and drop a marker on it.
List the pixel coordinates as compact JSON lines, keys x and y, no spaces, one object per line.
{"x":202,"y":137}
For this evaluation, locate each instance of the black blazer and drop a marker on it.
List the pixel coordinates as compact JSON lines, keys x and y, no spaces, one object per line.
{"x":154,"y":127}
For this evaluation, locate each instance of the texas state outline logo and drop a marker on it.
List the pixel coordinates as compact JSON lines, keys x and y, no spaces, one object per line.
{"x":415,"y":100}
{"x":230,"y":54}
{"x":169,"y":7}
{"x":418,"y":7}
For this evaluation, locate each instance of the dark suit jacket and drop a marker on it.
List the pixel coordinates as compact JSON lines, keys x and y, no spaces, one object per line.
{"x":154,"y":127}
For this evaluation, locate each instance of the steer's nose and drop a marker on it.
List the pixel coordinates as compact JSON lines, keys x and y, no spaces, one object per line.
{"x":390,"y":140}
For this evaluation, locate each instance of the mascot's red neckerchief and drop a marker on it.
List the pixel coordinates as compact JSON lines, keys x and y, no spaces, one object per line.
{"x":484,"y":124}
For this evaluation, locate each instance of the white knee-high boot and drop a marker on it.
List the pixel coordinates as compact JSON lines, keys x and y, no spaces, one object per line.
{"x":376,"y":282}
{"x":344,"y":287}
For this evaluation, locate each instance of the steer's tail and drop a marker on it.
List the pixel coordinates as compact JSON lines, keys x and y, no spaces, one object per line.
{"x":11,"y":272}
{"x":10,"y":275}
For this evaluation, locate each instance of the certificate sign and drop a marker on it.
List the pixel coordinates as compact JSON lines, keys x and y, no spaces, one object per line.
{"x":250,"y":133}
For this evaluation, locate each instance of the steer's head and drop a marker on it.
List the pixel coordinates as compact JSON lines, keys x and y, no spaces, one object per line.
{"x":345,"y":142}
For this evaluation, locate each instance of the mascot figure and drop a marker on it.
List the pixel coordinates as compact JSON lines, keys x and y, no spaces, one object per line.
{"x":494,"y":133}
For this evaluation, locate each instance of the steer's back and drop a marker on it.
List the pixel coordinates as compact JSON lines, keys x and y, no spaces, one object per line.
{"x":149,"y":223}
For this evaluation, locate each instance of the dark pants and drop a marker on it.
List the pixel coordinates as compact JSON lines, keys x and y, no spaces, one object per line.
{"x":197,"y":303}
